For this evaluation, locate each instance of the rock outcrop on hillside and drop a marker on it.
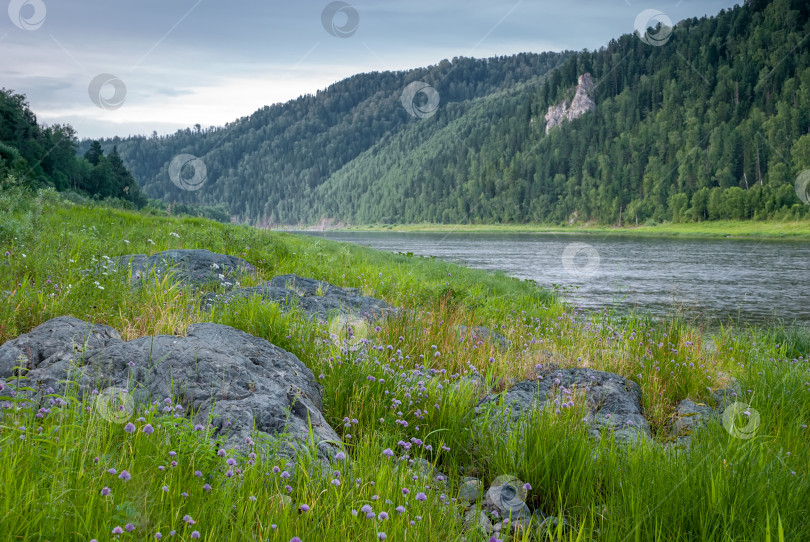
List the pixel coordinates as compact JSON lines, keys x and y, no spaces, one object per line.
{"x":216,"y":372}
{"x":315,"y":298}
{"x":581,"y":104}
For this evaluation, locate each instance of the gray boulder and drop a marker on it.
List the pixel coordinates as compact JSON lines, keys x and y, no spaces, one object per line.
{"x":613,"y":402}
{"x":687,"y":418}
{"x":239,"y":380}
{"x":316,"y":298}
{"x":190,"y":266}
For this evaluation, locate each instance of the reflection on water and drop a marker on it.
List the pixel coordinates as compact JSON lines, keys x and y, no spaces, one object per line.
{"x":750,"y":281}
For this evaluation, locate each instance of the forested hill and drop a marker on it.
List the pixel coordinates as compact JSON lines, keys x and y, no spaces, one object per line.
{"x":713,"y":124}
{"x":267,"y":165}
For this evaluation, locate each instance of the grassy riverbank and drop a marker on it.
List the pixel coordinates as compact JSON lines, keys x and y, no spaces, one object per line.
{"x":724,"y":228}
{"x":55,"y":462}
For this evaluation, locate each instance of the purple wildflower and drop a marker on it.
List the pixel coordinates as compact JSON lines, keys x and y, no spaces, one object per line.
{"x":130,"y":427}
{"x":148,"y":429}
{"x":117,"y":530}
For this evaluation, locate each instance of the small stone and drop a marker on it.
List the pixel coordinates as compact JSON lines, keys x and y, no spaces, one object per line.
{"x":470,"y":490}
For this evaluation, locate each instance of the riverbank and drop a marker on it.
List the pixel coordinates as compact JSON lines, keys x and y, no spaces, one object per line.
{"x":410,"y":392}
{"x":741,"y":229}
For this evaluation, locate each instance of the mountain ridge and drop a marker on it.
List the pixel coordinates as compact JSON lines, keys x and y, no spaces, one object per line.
{"x":711,"y":125}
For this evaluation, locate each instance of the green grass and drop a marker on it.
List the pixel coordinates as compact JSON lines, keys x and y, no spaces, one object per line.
{"x":54,"y":467}
{"x":721,"y":228}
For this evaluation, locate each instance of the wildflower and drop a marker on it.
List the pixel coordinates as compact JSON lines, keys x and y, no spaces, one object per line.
{"x":382,"y":515}
{"x":340,"y":456}
{"x":158,"y":536}
{"x":148,"y":429}
{"x":400,"y":509}
{"x":366,"y":508}
{"x":207,"y":487}
{"x":421,"y":496}
{"x":388,"y":452}
{"x":381,"y":536}
{"x":105,"y":491}
{"x":189,"y":520}
{"x":117,"y":530}
{"x":198,"y":474}
{"x":405,"y":490}
{"x":124,"y":475}
{"x":285,"y":474}
{"x":165,"y":488}
{"x":527,"y":486}
{"x":129,"y":527}
{"x":231,"y":461}
{"x":195,"y":534}
{"x":288,"y":488}
{"x":198,"y":427}
{"x":112,"y":471}
{"x":130,"y":427}
{"x":303,"y":508}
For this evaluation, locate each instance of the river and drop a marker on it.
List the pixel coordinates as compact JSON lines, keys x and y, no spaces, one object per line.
{"x":718,"y":280}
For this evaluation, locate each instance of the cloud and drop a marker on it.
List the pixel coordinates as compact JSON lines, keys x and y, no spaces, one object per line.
{"x":185,"y":62}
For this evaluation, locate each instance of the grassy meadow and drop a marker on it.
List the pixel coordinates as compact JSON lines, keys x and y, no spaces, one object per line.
{"x":62,"y":466}
{"x":750,"y":229}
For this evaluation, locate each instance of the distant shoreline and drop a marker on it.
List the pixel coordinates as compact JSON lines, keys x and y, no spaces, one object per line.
{"x":732,"y":229}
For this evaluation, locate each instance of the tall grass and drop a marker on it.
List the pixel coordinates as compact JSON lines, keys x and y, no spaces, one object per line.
{"x":406,"y":387}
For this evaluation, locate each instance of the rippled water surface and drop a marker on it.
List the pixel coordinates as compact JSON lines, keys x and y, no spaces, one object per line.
{"x":751,"y":281}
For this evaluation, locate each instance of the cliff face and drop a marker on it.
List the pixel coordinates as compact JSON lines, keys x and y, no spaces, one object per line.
{"x":581,"y":104}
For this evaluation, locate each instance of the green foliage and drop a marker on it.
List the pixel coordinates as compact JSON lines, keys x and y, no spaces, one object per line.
{"x":37,"y":156}
{"x":720,"y":114}
{"x":724,"y":488}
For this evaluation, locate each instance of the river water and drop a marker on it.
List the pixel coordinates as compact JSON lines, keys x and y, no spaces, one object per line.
{"x":719,"y":280}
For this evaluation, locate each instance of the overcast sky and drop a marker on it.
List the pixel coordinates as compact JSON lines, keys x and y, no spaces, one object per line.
{"x":175,"y":63}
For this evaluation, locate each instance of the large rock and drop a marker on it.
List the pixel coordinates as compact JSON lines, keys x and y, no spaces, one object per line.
{"x":239,"y":379}
{"x":190,"y":266}
{"x":316,"y":298}
{"x":580,"y":104}
{"x":613,"y":402}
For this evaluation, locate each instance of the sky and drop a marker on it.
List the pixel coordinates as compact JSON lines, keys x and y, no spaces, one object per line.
{"x":116,"y":67}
